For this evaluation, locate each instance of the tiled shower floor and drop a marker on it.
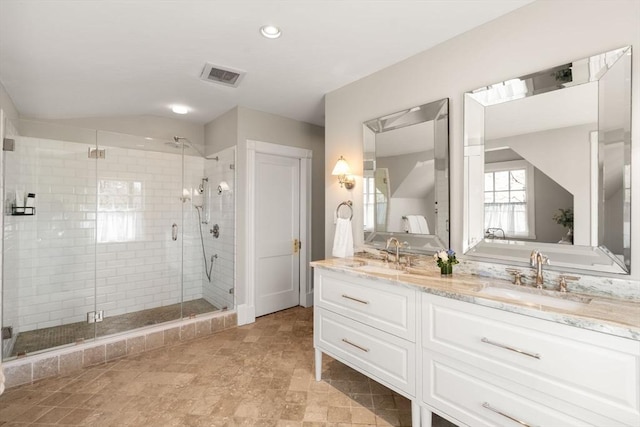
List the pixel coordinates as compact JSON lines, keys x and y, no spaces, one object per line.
{"x":55,"y":336}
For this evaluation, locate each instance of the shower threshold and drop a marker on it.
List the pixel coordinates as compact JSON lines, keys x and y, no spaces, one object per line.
{"x":41,"y":339}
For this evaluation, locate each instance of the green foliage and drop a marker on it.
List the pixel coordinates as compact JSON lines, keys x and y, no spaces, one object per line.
{"x":445,"y":257}
{"x":564,"y":218}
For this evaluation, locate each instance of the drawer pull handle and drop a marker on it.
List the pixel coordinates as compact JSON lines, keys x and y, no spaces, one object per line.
{"x":355,"y":299}
{"x":489,"y":407}
{"x":517,"y":350}
{"x":359,"y":347}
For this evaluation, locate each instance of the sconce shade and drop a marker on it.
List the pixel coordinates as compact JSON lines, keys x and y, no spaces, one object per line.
{"x":341,"y":168}
{"x":343,"y":172}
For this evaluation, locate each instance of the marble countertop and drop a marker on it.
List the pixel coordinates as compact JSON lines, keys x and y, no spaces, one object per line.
{"x":602,"y":314}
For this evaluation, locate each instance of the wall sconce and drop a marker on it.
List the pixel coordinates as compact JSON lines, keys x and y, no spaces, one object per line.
{"x":343,"y":172}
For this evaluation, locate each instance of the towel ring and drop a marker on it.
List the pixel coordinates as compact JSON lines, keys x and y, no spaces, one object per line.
{"x":348,"y":204}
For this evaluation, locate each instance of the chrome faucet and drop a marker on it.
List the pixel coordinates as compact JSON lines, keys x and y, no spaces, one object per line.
{"x":537,"y":260}
{"x":395,"y":241}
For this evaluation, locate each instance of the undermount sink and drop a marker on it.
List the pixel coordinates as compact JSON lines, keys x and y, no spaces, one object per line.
{"x":376,"y":269}
{"x":536,"y":297}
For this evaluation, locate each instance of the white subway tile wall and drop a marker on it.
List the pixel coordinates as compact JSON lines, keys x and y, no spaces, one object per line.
{"x":102,"y":234}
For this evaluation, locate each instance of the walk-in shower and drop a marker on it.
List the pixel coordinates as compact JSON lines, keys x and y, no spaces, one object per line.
{"x":115,"y":239}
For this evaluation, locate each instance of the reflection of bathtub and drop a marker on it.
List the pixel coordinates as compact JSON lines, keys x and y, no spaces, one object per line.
{"x":561,"y":257}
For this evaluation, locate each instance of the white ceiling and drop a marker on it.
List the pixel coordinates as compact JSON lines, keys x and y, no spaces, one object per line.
{"x":571,"y":106}
{"x":100,"y":58}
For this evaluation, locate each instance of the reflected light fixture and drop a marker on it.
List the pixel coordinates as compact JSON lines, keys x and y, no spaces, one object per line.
{"x":270,"y":31}
{"x":343,"y":172}
{"x":179,"y":109}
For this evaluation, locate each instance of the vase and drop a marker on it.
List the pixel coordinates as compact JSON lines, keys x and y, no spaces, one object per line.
{"x":446,"y":270}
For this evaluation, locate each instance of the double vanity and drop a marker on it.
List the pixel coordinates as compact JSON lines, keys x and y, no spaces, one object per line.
{"x":481,"y":352}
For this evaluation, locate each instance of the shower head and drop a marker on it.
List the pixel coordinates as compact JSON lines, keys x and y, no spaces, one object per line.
{"x":178,"y":142}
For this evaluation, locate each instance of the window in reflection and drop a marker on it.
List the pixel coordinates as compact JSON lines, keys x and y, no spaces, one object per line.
{"x":120,"y":211}
{"x":369,"y":193}
{"x":508,"y":200}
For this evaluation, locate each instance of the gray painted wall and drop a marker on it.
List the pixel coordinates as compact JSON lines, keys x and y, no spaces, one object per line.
{"x":246,"y":124}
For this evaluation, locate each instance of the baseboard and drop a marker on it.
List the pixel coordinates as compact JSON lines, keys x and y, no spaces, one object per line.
{"x":246,"y":314}
{"x":307,"y":300}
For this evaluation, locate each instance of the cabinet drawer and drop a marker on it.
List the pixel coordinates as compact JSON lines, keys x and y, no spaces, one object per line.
{"x":381,"y":356}
{"x":384,"y":306}
{"x":595,"y":371}
{"x":457,"y":391}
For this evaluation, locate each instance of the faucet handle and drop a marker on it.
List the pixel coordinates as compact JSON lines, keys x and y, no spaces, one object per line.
{"x":517,"y":276}
{"x":408,"y":260}
{"x":562,"y":282}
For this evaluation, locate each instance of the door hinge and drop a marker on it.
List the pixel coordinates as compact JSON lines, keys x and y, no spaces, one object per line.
{"x":95,"y":153}
{"x":297,"y":245}
{"x":7,"y":332}
{"x":95,"y":316}
{"x":8,"y":144}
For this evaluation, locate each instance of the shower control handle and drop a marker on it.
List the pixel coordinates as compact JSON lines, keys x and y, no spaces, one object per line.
{"x":174,"y":231}
{"x":215,"y":231}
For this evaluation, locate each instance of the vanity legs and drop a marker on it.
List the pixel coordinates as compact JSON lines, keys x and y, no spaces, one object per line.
{"x":425,"y":414}
{"x":416,"y":420}
{"x":318,"y":364}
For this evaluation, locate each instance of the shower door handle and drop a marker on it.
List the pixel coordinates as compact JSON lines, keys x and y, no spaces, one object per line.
{"x":174,"y":231}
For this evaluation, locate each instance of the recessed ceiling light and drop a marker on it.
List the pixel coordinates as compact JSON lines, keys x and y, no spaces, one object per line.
{"x":270,"y":31}
{"x":180,"y":109}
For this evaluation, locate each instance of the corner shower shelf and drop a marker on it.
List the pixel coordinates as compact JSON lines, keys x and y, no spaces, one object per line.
{"x":22,"y":211}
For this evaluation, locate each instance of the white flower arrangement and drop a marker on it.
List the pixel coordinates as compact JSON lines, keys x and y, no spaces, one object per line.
{"x":445,"y":257}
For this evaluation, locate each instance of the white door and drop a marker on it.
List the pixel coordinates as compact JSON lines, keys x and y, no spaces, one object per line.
{"x":277,"y":229}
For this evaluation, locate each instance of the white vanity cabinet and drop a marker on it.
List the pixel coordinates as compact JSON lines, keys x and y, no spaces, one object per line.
{"x":369,"y":325}
{"x":488,"y":367}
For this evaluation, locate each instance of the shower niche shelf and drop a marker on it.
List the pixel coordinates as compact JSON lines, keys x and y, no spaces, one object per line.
{"x":22,"y":211}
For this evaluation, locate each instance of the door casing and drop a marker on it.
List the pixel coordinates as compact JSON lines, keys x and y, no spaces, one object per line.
{"x":246,"y":311}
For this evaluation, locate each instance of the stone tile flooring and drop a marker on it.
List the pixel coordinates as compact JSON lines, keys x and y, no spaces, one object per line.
{"x":253,"y":375}
{"x":40,"y":339}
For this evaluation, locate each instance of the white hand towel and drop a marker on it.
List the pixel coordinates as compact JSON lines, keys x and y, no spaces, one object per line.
{"x":417,"y":224}
{"x":422,"y":224}
{"x":343,"y":239}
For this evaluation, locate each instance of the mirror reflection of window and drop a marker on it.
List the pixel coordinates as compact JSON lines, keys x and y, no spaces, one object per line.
{"x":506,"y":198}
{"x":381,"y":184}
{"x":369,"y":194}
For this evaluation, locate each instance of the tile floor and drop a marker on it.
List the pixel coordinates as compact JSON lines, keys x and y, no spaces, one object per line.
{"x":253,"y":375}
{"x":40,"y":339}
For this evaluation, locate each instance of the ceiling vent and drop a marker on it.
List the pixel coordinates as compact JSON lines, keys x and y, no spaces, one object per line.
{"x":220,"y":75}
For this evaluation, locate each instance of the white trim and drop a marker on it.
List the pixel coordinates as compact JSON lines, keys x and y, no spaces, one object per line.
{"x":246,"y":314}
{"x":308,"y":299}
{"x":529,"y":189}
{"x":305,"y":157}
{"x":593,"y":186}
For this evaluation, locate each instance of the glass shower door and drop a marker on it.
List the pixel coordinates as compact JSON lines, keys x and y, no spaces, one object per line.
{"x":198,"y":231}
{"x":139,"y":224}
{"x":48,"y":242}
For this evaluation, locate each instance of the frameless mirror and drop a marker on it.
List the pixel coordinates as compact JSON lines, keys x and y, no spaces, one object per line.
{"x":406,"y":178}
{"x":547,"y":163}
